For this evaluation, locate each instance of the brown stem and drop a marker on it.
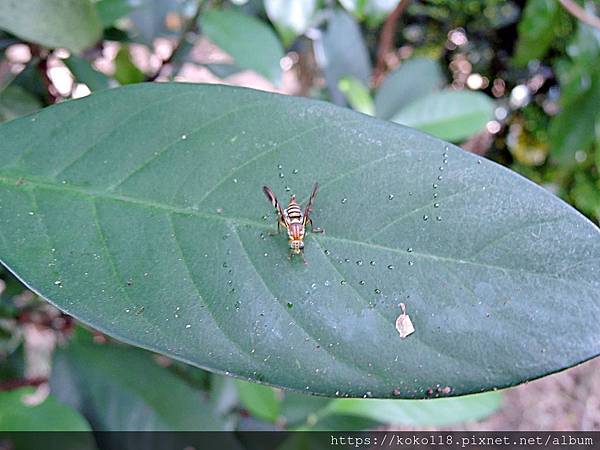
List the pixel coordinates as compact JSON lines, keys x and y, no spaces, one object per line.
{"x":191,"y":26}
{"x":42,"y":66}
{"x":8,"y":385}
{"x":386,"y":41}
{"x":577,"y":11}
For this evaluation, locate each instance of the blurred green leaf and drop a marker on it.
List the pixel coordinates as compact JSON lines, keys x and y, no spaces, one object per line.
{"x":436,"y":412}
{"x":16,"y":102}
{"x":149,"y":18}
{"x":586,"y":194}
{"x":374,"y":10}
{"x":120,"y":388}
{"x":83,"y":72}
{"x":290,"y":17}
{"x":449,"y":115}
{"x":413,"y":80}
{"x":358,"y":95}
{"x":223,"y":394}
{"x":342,"y":52}
{"x":223,"y":70}
{"x":72,"y":24}
{"x":16,"y":414}
{"x":126,"y":72}
{"x":250,"y":42}
{"x":536,"y":30}
{"x":573,"y":128}
{"x":110,"y":11}
{"x":260,"y":400}
{"x":296,"y":407}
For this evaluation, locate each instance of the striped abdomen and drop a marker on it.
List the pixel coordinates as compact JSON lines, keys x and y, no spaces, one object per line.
{"x":294,"y":220}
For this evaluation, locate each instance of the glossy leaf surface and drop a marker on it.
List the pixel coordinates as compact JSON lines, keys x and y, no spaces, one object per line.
{"x":139,"y":210}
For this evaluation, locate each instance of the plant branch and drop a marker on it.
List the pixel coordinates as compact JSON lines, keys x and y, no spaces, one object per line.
{"x":42,"y":67}
{"x":386,"y":40}
{"x":581,"y":14}
{"x":190,"y":27}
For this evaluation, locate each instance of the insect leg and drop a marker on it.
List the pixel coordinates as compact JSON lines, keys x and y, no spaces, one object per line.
{"x":275,"y":233}
{"x":313,"y":228}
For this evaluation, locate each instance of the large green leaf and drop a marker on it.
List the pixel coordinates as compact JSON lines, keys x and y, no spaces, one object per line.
{"x":413,"y":80}
{"x":73,"y":24}
{"x":250,"y":42}
{"x":451,"y":115}
{"x":121,"y":389}
{"x":20,"y":412}
{"x":139,"y":211}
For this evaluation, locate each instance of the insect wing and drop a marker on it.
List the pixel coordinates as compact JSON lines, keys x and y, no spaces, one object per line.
{"x":273,"y":199}
{"x":309,"y":204}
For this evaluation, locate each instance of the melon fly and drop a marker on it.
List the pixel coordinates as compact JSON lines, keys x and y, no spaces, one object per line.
{"x":294,"y":219}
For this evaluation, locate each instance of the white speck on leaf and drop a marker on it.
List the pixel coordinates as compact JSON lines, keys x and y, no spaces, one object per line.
{"x":404,"y":324}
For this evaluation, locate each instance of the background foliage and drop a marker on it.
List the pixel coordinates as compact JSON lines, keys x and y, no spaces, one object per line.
{"x":526,"y":78}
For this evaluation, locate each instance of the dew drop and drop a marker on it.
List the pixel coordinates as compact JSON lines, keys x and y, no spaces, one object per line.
{"x":235,"y":180}
{"x":445,"y":161}
{"x":410,"y":263}
{"x":425,"y":217}
{"x":327,"y":283}
{"x":391,"y":197}
{"x":372,"y":263}
{"x":327,"y":252}
{"x":279,"y":166}
{"x":435,"y":186}
{"x":391,"y":267}
{"x":436,"y":205}
{"x":265,"y":254}
{"x":288,"y":189}
{"x":478,"y":161}
{"x":359,"y":262}
{"x":290,"y":305}
{"x":184,"y":137}
{"x":362,"y":282}
{"x":281,"y":175}
{"x":440,"y":178}
{"x":343,"y":282}
{"x":295,"y":171}
{"x":438,"y":218}
{"x":344,"y":200}
{"x":377,"y":291}
{"x":441,"y":168}
{"x":409,"y":250}
{"x":188,"y":326}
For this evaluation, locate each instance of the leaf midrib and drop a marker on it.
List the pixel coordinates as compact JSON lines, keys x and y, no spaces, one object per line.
{"x":95,"y":194}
